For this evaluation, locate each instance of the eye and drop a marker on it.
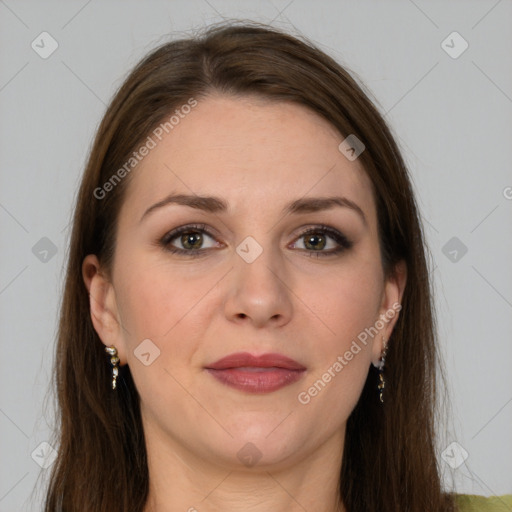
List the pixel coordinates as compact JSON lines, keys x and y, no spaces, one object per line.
{"x":196,"y":240}
{"x":317,"y":240}
{"x":188,"y":240}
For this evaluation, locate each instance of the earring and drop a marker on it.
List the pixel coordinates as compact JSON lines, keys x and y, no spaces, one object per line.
{"x":382,"y":382}
{"x":112,"y":352}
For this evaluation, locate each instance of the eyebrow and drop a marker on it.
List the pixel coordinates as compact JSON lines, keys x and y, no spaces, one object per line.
{"x":217,"y":205}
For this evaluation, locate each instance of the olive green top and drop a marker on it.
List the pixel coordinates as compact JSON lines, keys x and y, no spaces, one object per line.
{"x":473,"y":503}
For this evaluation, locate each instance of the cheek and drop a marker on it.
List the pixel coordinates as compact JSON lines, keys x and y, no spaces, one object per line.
{"x":346,"y":300}
{"x":162,"y":303}
{"x":148,"y":304}
{"x":346,"y":311}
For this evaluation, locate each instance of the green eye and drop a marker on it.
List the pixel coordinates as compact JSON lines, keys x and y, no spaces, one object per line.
{"x":190,"y":238}
{"x":317,"y":241}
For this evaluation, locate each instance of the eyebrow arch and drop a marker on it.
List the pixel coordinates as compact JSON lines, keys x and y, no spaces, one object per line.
{"x":216,"y":205}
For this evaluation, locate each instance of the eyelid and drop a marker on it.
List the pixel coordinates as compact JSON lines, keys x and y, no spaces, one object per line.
{"x":174,"y":233}
{"x":343,"y":243}
{"x":338,"y":236}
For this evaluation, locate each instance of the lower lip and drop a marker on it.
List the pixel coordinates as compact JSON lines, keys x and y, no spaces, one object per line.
{"x":257,"y":380}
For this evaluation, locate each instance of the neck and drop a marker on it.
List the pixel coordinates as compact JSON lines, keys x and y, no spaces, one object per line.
{"x":180,"y":480}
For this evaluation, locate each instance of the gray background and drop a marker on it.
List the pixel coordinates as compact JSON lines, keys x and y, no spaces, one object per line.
{"x":452,"y":117}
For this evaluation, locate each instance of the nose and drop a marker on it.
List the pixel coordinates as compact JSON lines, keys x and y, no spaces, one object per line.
{"x":258,"y":293}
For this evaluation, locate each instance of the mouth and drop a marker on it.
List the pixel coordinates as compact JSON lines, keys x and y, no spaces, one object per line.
{"x":256,"y":374}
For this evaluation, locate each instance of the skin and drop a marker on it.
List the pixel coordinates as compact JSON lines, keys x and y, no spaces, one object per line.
{"x":257,"y":156}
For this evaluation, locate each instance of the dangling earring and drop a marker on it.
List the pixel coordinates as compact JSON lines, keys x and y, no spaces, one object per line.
{"x":382,"y":382}
{"x":112,"y":352}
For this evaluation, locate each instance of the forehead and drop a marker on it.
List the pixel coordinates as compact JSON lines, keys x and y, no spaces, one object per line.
{"x":253,"y":153}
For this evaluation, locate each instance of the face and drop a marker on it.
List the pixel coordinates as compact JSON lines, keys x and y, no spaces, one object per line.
{"x":262,"y":268}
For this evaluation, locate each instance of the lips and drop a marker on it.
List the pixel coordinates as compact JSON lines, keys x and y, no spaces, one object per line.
{"x":244,"y":359}
{"x":256,"y":374}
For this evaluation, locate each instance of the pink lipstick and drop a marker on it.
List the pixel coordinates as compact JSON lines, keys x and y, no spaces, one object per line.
{"x":256,"y":374}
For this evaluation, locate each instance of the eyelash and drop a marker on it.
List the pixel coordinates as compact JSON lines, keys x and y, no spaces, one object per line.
{"x":343,"y":242}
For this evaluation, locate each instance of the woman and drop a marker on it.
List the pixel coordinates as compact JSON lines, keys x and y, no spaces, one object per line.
{"x":247,"y":249}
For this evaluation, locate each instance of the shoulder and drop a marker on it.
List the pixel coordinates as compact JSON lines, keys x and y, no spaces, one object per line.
{"x":474,"y":503}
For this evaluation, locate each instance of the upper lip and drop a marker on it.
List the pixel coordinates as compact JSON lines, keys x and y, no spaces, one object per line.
{"x":244,"y":359}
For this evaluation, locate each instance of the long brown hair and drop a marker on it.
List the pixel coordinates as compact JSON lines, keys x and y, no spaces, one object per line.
{"x":389,"y":460}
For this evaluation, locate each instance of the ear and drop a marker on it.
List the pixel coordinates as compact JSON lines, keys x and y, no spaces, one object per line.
{"x":103,"y":306}
{"x":390,"y":308}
